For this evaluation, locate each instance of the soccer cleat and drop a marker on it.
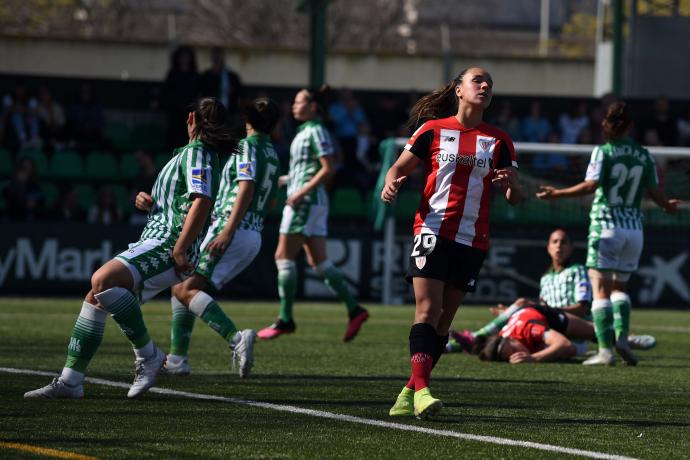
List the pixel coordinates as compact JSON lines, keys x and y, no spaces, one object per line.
{"x":603,"y":358}
{"x":425,"y":405}
{"x":404,"y":405}
{"x":57,"y":389}
{"x":453,"y":346}
{"x":277,"y":329}
{"x":359,"y":315}
{"x":243,"y":351}
{"x":625,"y":352}
{"x":176,"y":367}
{"x":464,"y":338}
{"x":145,"y":372}
{"x":641,"y":342}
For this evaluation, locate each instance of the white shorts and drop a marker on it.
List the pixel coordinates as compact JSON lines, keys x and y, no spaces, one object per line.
{"x":615,"y":249}
{"x":151,"y":265}
{"x":306,"y":219}
{"x":244,"y":247}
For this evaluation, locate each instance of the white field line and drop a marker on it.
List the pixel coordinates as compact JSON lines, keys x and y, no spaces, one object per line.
{"x":343,"y":418}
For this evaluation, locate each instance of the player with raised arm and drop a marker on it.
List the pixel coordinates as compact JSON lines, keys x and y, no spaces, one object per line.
{"x":619,"y":172}
{"x":462,"y":157}
{"x":247,"y":189}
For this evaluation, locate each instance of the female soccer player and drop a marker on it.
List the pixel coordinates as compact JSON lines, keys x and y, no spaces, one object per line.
{"x":247,"y":189}
{"x":462,"y":158}
{"x":167,"y":251}
{"x":304,"y":222}
{"x":618,"y":171}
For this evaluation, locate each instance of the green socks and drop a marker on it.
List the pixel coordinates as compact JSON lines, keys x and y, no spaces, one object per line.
{"x":602,"y":317}
{"x":126,"y":312}
{"x":494,"y":327}
{"x":181,"y":329}
{"x":203,"y":306}
{"x":287,"y":287}
{"x":85,"y":339}
{"x":621,"y":314}
{"x":335,"y":280}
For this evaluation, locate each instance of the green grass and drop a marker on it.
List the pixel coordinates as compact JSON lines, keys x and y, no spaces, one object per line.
{"x":638,"y":412}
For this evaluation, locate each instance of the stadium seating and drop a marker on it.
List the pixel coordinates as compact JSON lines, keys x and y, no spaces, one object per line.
{"x":406,"y":204}
{"x":6,"y":165}
{"x":87,"y":195}
{"x":39,"y":159}
{"x":101,"y":166}
{"x":347,"y":202}
{"x":121,"y":197}
{"x":162,"y":159}
{"x":50,"y":192}
{"x":66,"y":165}
{"x":118,"y":134}
{"x":148,"y":136}
{"x":128,"y":166}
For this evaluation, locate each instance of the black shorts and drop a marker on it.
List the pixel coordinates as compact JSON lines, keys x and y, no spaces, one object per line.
{"x":444,"y":260}
{"x":555,"y":317}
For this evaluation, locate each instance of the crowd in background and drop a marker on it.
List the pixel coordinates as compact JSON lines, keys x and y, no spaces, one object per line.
{"x":32,"y":118}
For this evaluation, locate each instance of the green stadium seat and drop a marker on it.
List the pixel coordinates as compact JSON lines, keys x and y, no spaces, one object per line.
{"x":118,"y":133}
{"x":162,"y":159}
{"x":39,"y":159}
{"x":66,"y":165}
{"x":128,"y":166}
{"x":149,"y":137}
{"x":87,"y":195}
{"x":122,"y":197}
{"x":100,"y":165}
{"x":50,"y":192}
{"x":6,"y":163}
{"x":406,"y":204}
{"x":347,"y":202}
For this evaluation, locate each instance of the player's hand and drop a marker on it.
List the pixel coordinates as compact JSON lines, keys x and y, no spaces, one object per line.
{"x":294,"y":199}
{"x":505,"y":178}
{"x":672,"y":206}
{"x":546,"y":192}
{"x":498,"y":309}
{"x":181,"y":263}
{"x":390,"y":190}
{"x":283,"y":180}
{"x":521,"y":357}
{"x":143,"y":201}
{"x":219,"y":244}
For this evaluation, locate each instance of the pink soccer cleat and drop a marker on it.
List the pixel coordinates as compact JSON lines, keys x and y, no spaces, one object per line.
{"x":359,"y":315}
{"x":277,"y":329}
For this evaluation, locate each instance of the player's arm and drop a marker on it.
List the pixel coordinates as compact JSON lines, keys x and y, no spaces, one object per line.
{"x":508,"y":178}
{"x":586,"y":187}
{"x":326,"y":171}
{"x":659,"y":197}
{"x":193,"y":224}
{"x":557,"y":347}
{"x":245,"y":195}
{"x":580,"y":309}
{"x":397,"y":174}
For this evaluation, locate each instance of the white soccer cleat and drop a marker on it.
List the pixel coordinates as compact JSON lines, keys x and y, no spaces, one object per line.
{"x":243,"y":351}
{"x":641,"y":342}
{"x":176,"y":367}
{"x":145,"y":372}
{"x":603,"y":358}
{"x":57,"y":389}
{"x":625,"y":352}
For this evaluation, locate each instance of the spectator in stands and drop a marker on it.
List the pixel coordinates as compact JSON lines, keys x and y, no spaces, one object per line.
{"x":549,"y":163}
{"x":572,"y":123}
{"x":660,"y":120}
{"x":67,"y":207}
{"x":390,"y":116}
{"x":507,"y":122}
{"x":283,"y":134}
{"x":22,"y":194}
{"x":143,"y":181}
{"x":182,"y":85}
{"x":52,"y":116}
{"x":86,"y":119}
{"x":105,"y":211}
{"x":683,"y":129}
{"x":20,"y":120}
{"x":223,"y":83}
{"x":535,"y":127}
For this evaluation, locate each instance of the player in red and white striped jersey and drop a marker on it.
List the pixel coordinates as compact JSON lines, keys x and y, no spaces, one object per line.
{"x":464,"y":159}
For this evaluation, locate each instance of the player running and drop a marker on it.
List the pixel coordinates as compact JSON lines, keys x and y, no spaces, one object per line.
{"x":619,"y":171}
{"x":305,"y":216}
{"x":247,"y":189}
{"x":167,"y":251}
{"x":462,"y":158}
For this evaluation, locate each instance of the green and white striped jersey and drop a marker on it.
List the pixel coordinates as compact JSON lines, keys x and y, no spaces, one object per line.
{"x":256,"y":161}
{"x":624,"y":169}
{"x":193,"y":170}
{"x":567,"y":287}
{"x":311,"y":142}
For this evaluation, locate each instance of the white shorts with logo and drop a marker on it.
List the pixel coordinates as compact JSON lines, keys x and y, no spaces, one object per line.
{"x":305,"y":219}
{"x":243,"y":248}
{"x":615,"y":249}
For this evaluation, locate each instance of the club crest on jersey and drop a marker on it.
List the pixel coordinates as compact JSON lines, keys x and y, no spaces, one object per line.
{"x":420,"y":262}
{"x":485,"y":144}
{"x":245,"y":169}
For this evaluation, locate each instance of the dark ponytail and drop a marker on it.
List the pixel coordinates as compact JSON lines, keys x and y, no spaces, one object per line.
{"x":212,"y":125}
{"x":318,"y":96}
{"x":616,"y":122}
{"x":440,"y":103}
{"x":263,"y":114}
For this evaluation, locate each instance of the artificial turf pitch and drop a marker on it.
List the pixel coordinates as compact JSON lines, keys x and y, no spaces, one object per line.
{"x":641,"y":412}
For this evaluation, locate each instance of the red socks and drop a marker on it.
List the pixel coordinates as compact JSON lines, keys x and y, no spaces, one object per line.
{"x":422,"y":363}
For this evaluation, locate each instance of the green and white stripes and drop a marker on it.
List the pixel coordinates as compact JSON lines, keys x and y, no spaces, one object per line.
{"x":567,"y":287}
{"x":86,"y":337}
{"x":311,"y":142}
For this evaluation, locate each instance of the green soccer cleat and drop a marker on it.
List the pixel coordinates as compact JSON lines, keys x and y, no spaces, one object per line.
{"x":425,"y":405}
{"x":404,"y":405}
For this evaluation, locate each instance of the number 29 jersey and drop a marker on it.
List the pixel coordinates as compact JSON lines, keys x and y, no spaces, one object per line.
{"x":623,"y":169}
